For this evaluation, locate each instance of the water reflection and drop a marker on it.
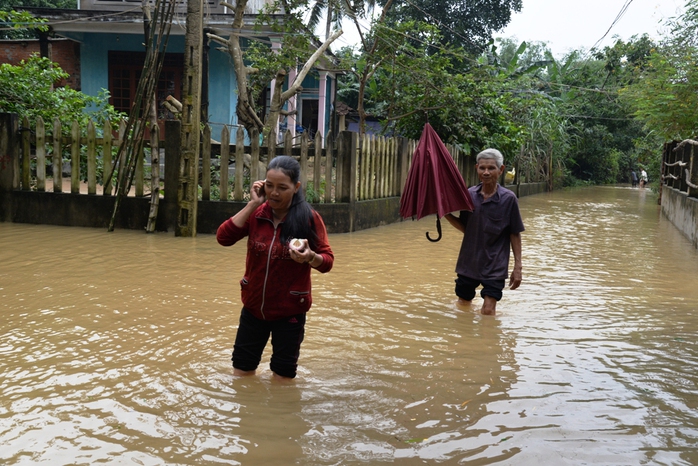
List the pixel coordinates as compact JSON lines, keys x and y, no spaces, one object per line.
{"x":116,"y":349}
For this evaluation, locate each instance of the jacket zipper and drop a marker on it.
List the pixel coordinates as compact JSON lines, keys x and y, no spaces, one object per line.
{"x":266,"y":273}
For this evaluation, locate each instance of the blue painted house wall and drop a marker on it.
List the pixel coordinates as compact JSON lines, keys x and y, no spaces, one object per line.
{"x":223,"y":96}
{"x":94,"y":72}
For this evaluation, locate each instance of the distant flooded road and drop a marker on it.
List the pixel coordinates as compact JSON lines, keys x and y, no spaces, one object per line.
{"x":115,"y":349}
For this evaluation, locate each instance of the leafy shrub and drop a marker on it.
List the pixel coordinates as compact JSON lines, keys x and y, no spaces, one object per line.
{"x":28,"y":89}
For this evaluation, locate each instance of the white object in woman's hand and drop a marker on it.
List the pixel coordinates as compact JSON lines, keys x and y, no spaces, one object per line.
{"x":300,"y":250}
{"x":297,"y":244}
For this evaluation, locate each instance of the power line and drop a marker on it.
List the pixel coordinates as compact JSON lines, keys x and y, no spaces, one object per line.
{"x":620,"y":14}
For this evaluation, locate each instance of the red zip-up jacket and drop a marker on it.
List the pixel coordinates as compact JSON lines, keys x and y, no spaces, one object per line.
{"x":274,"y":286}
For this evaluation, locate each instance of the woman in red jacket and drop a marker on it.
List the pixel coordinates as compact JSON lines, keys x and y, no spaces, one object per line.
{"x":276,"y":290}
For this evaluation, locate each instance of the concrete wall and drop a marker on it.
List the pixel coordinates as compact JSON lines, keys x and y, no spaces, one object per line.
{"x":682,"y":211}
{"x":64,"y":209}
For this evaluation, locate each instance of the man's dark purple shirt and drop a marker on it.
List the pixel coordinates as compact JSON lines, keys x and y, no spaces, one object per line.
{"x":484,"y":253}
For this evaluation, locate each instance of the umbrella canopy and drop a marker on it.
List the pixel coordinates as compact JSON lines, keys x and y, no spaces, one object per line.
{"x":434,"y":185}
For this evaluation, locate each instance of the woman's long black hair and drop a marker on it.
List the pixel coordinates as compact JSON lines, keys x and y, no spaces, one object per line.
{"x":299,"y":222}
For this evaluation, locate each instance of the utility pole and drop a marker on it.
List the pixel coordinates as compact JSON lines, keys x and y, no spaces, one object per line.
{"x":188,"y":191}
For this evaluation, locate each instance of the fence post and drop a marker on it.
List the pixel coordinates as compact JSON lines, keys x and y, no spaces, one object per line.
{"x":107,"y":158}
{"x":91,"y":158}
{"x":402,"y":163}
{"x":254,"y":162}
{"x":239,"y":163}
{"x":206,"y":164}
{"x":75,"y":158}
{"x":224,"y":164}
{"x":673,"y":157}
{"x":305,"y":143}
{"x":692,"y":174}
{"x":680,"y":172}
{"x":57,"y":157}
{"x":329,"y":162}
{"x":9,"y":162}
{"x":40,"y":155}
{"x":364,"y":171}
{"x":347,"y":159}
{"x":26,"y":153}
{"x":317,"y":166}
{"x":173,"y":147}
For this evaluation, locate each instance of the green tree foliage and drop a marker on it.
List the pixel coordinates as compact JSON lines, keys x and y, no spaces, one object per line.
{"x":600,"y":123}
{"x":590,"y":117}
{"x":665,"y":95}
{"x":467,"y":24}
{"x":7,"y":5}
{"x":20,"y":25}
{"x":28,"y":90}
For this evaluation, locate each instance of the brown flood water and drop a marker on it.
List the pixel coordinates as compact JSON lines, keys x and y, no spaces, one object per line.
{"x":115,"y":349}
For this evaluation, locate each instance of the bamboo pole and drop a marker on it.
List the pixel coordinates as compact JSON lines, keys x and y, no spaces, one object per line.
{"x":131,"y":147}
{"x":154,"y":179}
{"x":139,"y":156}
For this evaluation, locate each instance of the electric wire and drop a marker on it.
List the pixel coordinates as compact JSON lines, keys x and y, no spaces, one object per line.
{"x":260,"y":36}
{"x":620,"y":14}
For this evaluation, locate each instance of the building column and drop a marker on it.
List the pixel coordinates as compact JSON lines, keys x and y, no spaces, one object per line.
{"x":322,"y":102}
{"x":333,"y":102}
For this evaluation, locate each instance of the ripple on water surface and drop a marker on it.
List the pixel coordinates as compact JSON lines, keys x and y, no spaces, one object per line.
{"x":116,"y":348}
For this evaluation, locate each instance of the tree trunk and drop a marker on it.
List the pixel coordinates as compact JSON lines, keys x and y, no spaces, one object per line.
{"x":246,"y":113}
{"x":279,"y":98}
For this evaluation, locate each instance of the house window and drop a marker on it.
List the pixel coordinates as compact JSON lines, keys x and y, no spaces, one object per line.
{"x":125,"y":70}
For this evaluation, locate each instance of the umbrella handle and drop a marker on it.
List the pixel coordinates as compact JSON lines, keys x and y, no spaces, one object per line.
{"x":438,"y":230}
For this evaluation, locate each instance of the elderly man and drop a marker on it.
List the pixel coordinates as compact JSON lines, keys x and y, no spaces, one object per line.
{"x":489,"y":232}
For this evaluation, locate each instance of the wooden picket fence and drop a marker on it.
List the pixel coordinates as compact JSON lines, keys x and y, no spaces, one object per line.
{"x":380,"y":169}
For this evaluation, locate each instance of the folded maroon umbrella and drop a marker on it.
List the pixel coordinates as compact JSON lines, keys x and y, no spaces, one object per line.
{"x":434,"y":185}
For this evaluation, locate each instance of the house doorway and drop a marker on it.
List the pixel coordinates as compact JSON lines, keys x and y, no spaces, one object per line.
{"x":309,"y":112}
